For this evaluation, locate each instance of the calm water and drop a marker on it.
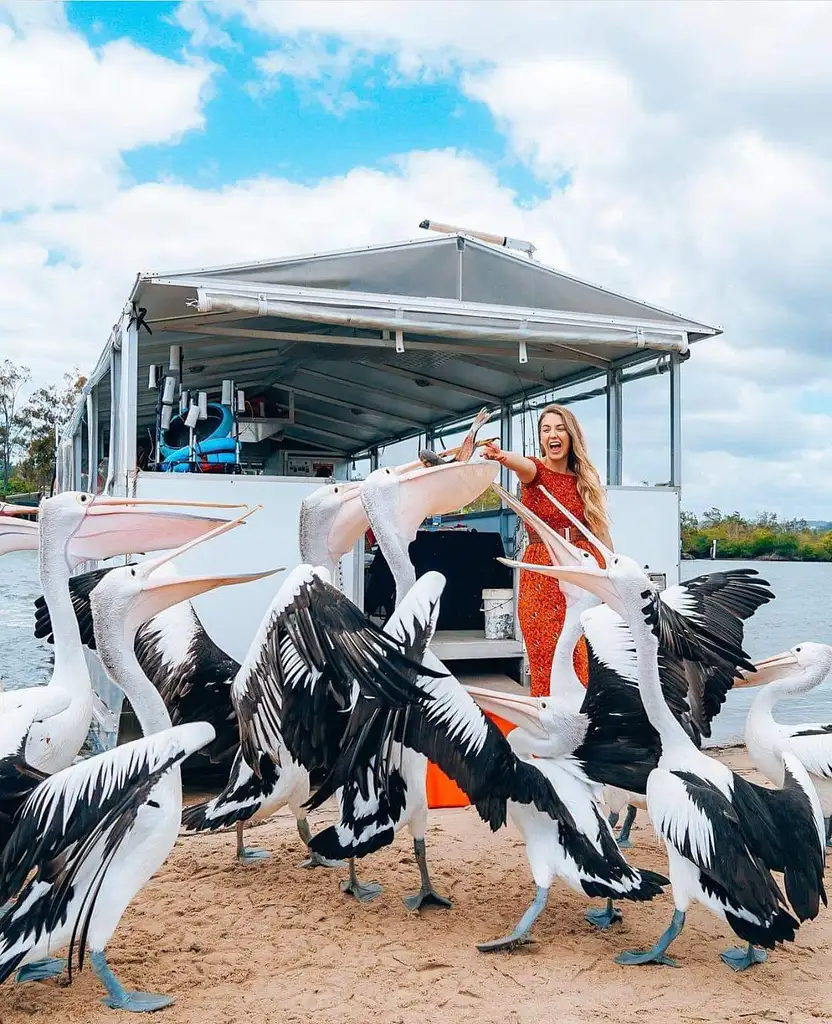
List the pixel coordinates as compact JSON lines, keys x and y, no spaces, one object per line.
{"x":802,"y":610}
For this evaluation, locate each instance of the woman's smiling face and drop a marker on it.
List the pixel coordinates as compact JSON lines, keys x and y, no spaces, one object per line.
{"x":554,"y":437}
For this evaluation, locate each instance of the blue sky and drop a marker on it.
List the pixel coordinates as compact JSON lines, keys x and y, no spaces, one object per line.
{"x":287,"y":130}
{"x":647,"y":147}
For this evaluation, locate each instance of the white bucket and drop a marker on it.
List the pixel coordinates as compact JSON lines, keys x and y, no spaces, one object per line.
{"x":498,"y":606}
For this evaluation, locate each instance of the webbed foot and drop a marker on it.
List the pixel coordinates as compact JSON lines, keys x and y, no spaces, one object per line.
{"x":250,"y":853}
{"x":118,"y":997}
{"x":605,"y":918}
{"x":315,"y":860}
{"x":649,"y":956}
{"x":363,"y":891}
{"x":513,"y":941}
{"x":42,"y":970}
{"x":426,"y":898}
{"x":658,"y":954}
{"x":741,"y":959}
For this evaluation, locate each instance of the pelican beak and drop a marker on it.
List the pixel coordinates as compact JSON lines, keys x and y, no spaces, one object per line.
{"x":522,"y":711}
{"x":349,"y":524}
{"x":590,"y":578}
{"x":18,"y":535}
{"x":579,"y":526}
{"x":120,"y":526}
{"x":8,"y":509}
{"x":769,"y":670}
{"x":163,"y":592}
{"x":560,"y":551}
{"x":439,"y":490}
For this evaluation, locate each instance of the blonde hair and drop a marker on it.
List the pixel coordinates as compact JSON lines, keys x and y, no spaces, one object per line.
{"x":589,"y":484}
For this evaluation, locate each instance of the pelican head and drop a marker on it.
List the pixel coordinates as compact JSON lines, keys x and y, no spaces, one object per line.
{"x":131,"y":595}
{"x":332,"y":519}
{"x":539,"y":720}
{"x":87,"y":526}
{"x":806,"y":660}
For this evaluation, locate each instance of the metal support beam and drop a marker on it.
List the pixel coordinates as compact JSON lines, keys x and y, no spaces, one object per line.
{"x":675,"y":420}
{"x":328,"y":400}
{"x":614,"y":428}
{"x":346,"y":382}
{"x":414,"y":375}
{"x":128,"y":399}
{"x":507,"y":443}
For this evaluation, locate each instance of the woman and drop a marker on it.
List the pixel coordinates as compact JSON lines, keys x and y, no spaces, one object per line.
{"x":565,"y":470}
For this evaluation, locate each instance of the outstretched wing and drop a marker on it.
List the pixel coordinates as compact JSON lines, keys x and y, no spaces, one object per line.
{"x":784,"y":827}
{"x":313,"y":637}
{"x":72,"y":826}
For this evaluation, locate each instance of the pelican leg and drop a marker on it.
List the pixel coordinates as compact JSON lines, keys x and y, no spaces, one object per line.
{"x":624,"y":835}
{"x":426,"y":894}
{"x":613,"y":818}
{"x":118,"y":998}
{"x":363,"y":891}
{"x":41,"y":970}
{"x":520,"y":936}
{"x":829,"y":831}
{"x":656,"y":955}
{"x":314,"y":860}
{"x":244,"y":854}
{"x":605,"y":918}
{"x":741,"y":959}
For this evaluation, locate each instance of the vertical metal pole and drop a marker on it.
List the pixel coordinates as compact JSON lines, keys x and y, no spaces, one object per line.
{"x":507,"y":443}
{"x":373,"y":460}
{"x":614,"y":428}
{"x":129,"y":398}
{"x":675,"y":420}
{"x":92,"y":441}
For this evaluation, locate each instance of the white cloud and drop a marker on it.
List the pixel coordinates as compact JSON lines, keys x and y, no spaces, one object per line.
{"x":68,"y":112}
{"x":701,"y":179}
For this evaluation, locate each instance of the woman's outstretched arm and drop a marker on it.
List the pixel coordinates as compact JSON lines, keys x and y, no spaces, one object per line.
{"x":524,"y":468}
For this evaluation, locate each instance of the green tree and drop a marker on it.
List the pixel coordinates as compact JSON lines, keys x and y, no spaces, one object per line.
{"x":47,"y":410}
{"x":13,"y":379}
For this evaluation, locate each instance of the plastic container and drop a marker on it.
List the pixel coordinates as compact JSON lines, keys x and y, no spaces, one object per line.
{"x":498,"y":608}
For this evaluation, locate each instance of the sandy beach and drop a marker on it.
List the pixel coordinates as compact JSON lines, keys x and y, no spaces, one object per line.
{"x":270,"y":942}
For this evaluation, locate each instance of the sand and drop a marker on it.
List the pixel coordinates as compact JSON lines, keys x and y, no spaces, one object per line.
{"x":270,"y":942}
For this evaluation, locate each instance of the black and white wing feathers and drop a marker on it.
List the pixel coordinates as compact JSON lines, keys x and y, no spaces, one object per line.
{"x":77,"y":817}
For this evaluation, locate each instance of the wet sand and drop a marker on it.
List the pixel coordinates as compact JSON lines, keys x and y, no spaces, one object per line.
{"x":270,"y":942}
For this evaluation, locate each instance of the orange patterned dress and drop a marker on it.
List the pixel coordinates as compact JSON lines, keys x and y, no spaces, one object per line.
{"x":541,"y":605}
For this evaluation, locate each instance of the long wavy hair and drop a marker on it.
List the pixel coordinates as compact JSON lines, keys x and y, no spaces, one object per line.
{"x":588,"y":481}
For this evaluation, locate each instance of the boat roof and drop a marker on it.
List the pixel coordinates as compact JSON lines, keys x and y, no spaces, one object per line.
{"x":387,"y":341}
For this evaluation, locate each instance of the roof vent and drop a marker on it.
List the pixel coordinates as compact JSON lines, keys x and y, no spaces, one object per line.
{"x":502,"y":240}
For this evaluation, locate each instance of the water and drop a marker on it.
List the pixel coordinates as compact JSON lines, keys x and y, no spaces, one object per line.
{"x":801,"y":611}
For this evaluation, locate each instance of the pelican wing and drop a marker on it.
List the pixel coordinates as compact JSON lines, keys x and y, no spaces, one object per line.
{"x":313,"y":638}
{"x":784,"y":827}
{"x":80,"y":588}
{"x":71,"y":828}
{"x":699,"y":821}
{"x":812,"y":743}
{"x":701,"y":619}
{"x":192,"y":674}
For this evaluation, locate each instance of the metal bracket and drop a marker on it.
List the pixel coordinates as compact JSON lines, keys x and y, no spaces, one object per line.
{"x":262,"y":305}
{"x":641,"y":341}
{"x":400,"y":334}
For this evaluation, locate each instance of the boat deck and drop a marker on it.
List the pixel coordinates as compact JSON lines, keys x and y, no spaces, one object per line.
{"x":470,"y":644}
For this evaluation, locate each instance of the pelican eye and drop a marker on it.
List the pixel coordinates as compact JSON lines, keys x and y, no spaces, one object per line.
{"x":132,"y":572}
{"x":543,"y":705}
{"x":83,"y":498}
{"x":797,"y":650}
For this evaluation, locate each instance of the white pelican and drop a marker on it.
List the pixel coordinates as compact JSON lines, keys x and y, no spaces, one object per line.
{"x":74,"y":527}
{"x":694,"y":685}
{"x":396,"y":503}
{"x":723,"y":834}
{"x":531,"y":777}
{"x":791,"y":674}
{"x":91,"y":836}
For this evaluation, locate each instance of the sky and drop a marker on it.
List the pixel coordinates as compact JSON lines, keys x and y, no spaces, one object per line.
{"x":676,"y":152}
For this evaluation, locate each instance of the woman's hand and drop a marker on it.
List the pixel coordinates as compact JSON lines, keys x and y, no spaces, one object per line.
{"x":494,"y":452}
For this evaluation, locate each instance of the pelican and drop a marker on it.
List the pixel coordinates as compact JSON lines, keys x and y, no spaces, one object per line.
{"x":396,"y":503}
{"x":723,"y":834}
{"x":784,"y":676}
{"x":91,"y":836}
{"x":694,"y":684}
{"x":463,"y":452}
{"x":531,"y":777}
{"x":75,"y":527}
